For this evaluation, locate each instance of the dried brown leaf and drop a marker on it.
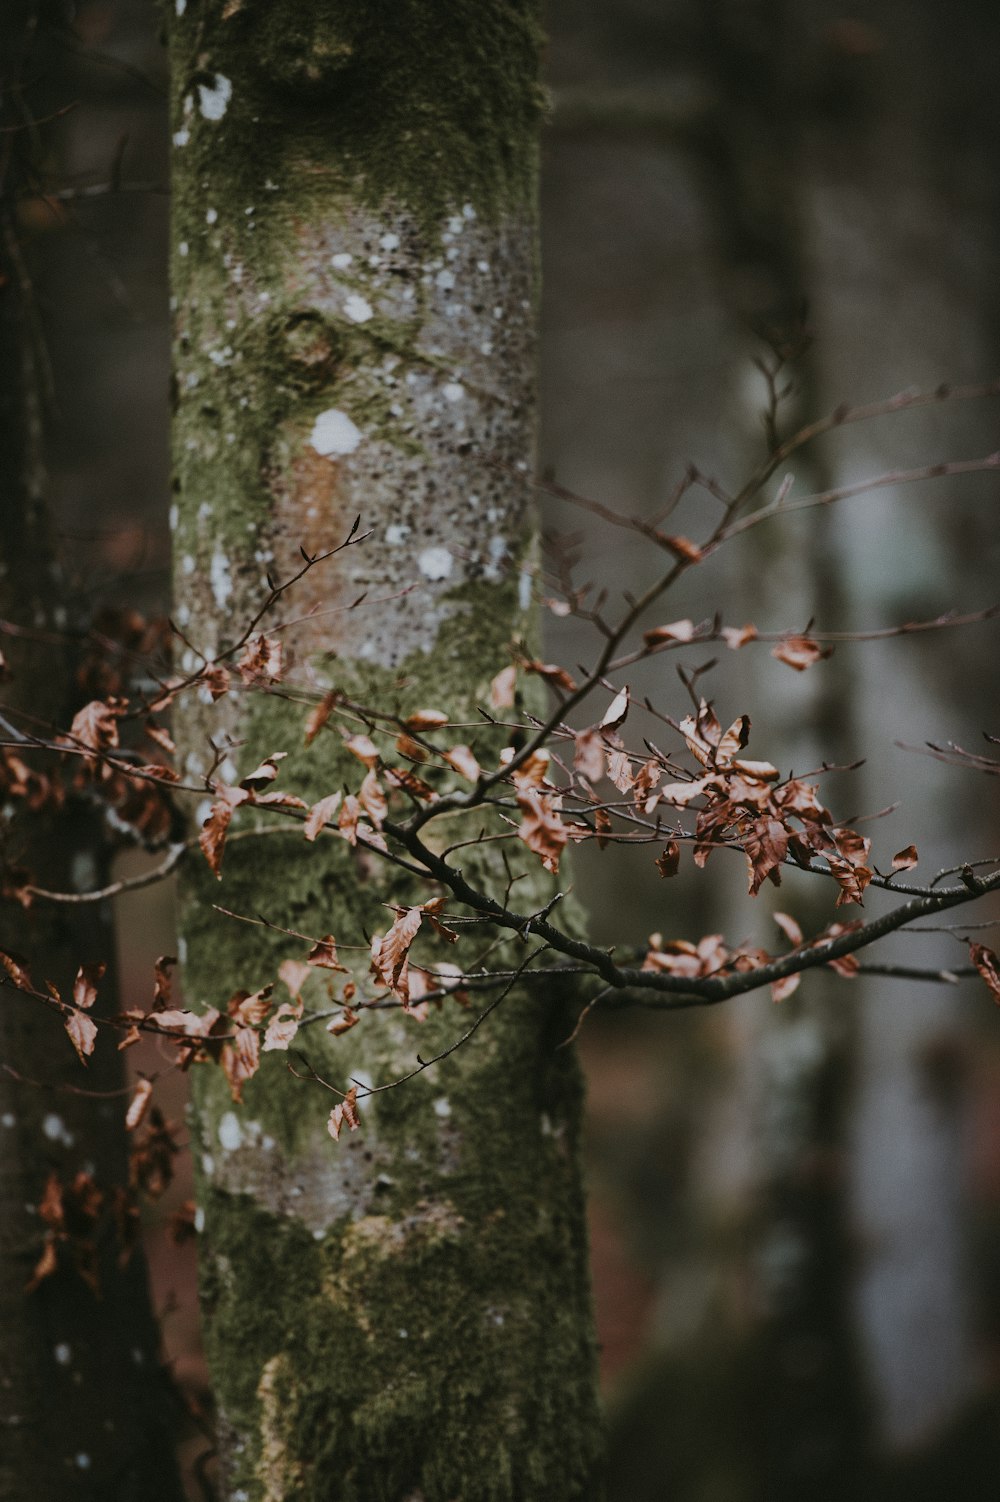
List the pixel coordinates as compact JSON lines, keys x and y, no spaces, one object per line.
{"x":789,"y":927}
{"x":320,"y":815}
{"x":318,"y":716}
{"x":800,"y":652}
{"x":138,"y":1105}
{"x":738,"y":636}
{"x":616,"y":711}
{"x":541,"y":828}
{"x":426,"y":719}
{"x":502,"y":688}
{"x":668,"y":862}
{"x":675,"y":631}
{"x":82,"y":1034}
{"x":904,"y":860}
{"x":85,"y":984}
{"x":262,"y":661}
{"x":988,"y":965}
{"x":462,"y":760}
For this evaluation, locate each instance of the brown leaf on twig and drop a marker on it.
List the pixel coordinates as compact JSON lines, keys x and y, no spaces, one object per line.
{"x":589,"y":755}
{"x":464,"y":762}
{"x":676,"y":631}
{"x":324,"y":955}
{"x":426,"y":719}
{"x":260,"y":777}
{"x":282,"y":1027}
{"x":541,"y":828}
{"x":212,"y":839}
{"x":782,"y":989}
{"x":552,"y":673}
{"x":389,"y":954}
{"x":800,"y":652}
{"x":241,"y":1060}
{"x":765,"y":844}
{"x":681,"y":547}
{"x":616,"y":711}
{"x":364,"y":748}
{"x":668,"y":862}
{"x":502,"y":688}
{"x":986,"y":962}
{"x":371,"y":796}
{"x":82,"y":1034}
{"x":789,"y":927}
{"x":261,"y":662}
{"x":738,"y":636}
{"x":318,"y":717}
{"x":320,"y":815}
{"x":138,"y":1105}
{"x":85,"y":984}
{"x":344,"y":1114}
{"x":904,"y":860}
{"x":16,"y":967}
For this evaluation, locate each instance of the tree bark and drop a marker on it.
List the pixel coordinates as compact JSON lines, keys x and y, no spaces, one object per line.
{"x":404,"y":1313}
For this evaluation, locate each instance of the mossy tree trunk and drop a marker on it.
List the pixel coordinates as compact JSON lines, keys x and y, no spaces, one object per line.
{"x":403,"y":1313}
{"x":85,"y":1415}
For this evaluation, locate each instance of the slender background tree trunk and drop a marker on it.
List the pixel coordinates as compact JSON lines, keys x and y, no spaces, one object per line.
{"x":84,"y":1412}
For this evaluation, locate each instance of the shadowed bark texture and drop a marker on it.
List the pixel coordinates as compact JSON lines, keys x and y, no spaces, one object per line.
{"x":403,"y":1313}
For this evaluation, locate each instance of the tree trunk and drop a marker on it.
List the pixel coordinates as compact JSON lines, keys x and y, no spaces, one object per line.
{"x":404,"y":1313}
{"x":84,"y":1412}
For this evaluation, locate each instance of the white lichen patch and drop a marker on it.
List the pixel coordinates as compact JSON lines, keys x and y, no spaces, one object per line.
{"x":442,"y":1108}
{"x":211,"y":216}
{"x":445,"y":280}
{"x":435,"y":563}
{"x":341,"y":261}
{"x":63,"y":1353}
{"x":389,"y":242}
{"x":357,"y":308}
{"x":180,"y":6}
{"x":213,"y":101}
{"x":334,"y":433}
{"x":454,"y":392}
{"x":56,"y":1130}
{"x":230,"y":1132}
{"x":395,"y":533}
{"x":220,"y":575}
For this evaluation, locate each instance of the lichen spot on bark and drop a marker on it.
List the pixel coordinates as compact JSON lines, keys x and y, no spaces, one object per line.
{"x":279,"y":1472}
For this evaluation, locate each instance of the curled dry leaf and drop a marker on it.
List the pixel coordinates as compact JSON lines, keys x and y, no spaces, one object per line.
{"x":343,"y":1024}
{"x":738,"y":636}
{"x":95,"y":725}
{"x":677,"y":631}
{"x":616,"y":711}
{"x":389,"y":953}
{"x":320,"y":815}
{"x":411,"y":749}
{"x":217,"y":680}
{"x":259,"y":778}
{"x":541,"y":828}
{"x":138,"y":1105}
{"x":532,"y":772}
{"x":282,"y":1027}
{"x":241,"y":1060}
{"x":249,"y":1010}
{"x":669,"y":860}
{"x":82,"y":1034}
{"x":986,"y":962}
{"x":426,"y":719}
{"x":588,"y":755}
{"x":800,"y":652}
{"x":344,"y":1114}
{"x":782,"y":989}
{"x":373,"y":800}
{"x":502,"y":688}
{"x":318,"y":717}
{"x":904,"y":860}
{"x":552,"y":673}
{"x":16,"y":967}
{"x":324,"y":955}
{"x":682,"y":548}
{"x":462,"y":760}
{"x":85,"y":985}
{"x":789,"y":927}
{"x":261,"y":661}
{"x":212,"y":839}
{"x":364,"y":748}
{"x":294,"y":973}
